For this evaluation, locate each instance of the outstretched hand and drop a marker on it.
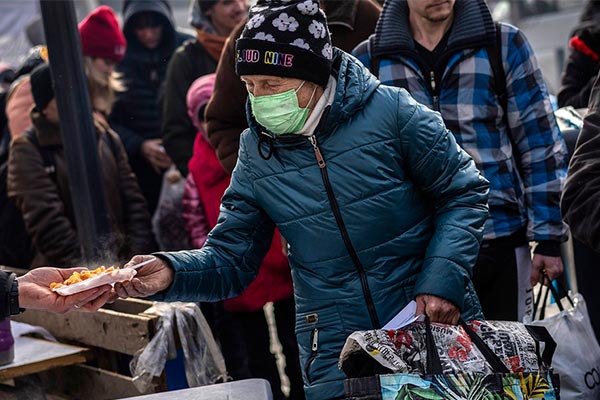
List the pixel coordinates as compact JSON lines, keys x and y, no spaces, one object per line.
{"x":150,"y":279}
{"x":35,"y":292}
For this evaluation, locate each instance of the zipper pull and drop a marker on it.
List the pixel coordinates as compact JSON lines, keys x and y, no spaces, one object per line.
{"x":315,"y":341}
{"x":320,"y":160}
{"x":432,"y":77}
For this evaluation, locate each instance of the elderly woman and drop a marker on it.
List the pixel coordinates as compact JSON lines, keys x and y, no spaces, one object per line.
{"x":379,"y":204}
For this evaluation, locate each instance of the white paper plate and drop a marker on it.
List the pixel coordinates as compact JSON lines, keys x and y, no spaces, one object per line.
{"x":109,"y":278}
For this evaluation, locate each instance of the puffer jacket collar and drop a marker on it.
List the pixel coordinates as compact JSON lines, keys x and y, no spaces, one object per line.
{"x":160,"y":7}
{"x":355,"y":84}
{"x":473,"y":27}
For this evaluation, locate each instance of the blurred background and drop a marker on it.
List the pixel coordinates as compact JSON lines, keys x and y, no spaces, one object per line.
{"x":547,"y":24}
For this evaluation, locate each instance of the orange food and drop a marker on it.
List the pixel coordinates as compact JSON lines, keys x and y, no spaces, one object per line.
{"x":81,"y":276}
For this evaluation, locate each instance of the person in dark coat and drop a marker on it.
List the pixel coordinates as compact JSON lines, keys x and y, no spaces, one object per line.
{"x":581,"y":69}
{"x":583,"y":63}
{"x":152,"y":39}
{"x":42,"y":193}
{"x":580,"y":206}
{"x":214,"y":21}
{"x":226,"y":111}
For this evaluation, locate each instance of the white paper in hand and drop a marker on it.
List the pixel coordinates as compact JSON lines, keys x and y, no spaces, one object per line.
{"x":405,"y":317}
{"x":110,"y":278}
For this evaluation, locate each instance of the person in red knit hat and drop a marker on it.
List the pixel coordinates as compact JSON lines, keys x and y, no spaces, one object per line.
{"x":103,"y":45}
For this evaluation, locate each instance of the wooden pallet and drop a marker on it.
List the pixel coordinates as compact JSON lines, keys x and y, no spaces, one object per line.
{"x":122,"y":327}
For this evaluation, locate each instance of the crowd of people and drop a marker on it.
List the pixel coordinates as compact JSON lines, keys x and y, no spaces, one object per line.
{"x":340,"y":159}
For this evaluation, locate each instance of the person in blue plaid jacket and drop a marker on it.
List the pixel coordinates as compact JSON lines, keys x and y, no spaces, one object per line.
{"x":440,"y":52}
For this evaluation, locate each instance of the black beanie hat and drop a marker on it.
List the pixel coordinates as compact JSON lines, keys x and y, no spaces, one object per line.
{"x":42,"y":88}
{"x":287,"y":38}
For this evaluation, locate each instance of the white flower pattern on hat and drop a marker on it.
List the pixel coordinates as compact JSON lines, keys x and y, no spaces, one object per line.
{"x":255,"y":21}
{"x":301,"y":43}
{"x":327,"y":51}
{"x":257,"y":9}
{"x":317,"y":29}
{"x":264,"y":36}
{"x":309,"y":7}
{"x":286,"y":23}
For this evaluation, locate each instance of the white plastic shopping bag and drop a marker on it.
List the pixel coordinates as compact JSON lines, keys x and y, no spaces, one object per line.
{"x":577,"y":355}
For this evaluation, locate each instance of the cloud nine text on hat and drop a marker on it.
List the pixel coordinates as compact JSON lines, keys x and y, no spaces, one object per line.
{"x":269,"y":58}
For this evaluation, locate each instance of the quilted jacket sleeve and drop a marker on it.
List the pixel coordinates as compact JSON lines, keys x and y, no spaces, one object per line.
{"x":235,"y":248}
{"x":447,"y":176}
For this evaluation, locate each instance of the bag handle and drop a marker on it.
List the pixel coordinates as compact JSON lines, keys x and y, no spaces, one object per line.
{"x":550,"y":289}
{"x":434,"y":365}
{"x":541,"y":334}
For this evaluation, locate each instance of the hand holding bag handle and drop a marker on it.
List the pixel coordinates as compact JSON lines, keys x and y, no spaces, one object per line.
{"x":550,"y":289}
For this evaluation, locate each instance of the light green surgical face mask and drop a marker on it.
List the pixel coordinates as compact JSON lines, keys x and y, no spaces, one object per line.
{"x":280,"y":113}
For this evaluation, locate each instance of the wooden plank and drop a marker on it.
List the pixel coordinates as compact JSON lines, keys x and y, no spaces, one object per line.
{"x":106,"y":329}
{"x":129,"y":306}
{"x":35,"y":355}
{"x":85,"y":382}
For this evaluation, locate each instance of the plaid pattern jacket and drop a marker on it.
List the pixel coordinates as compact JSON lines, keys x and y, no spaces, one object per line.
{"x":524,"y":193}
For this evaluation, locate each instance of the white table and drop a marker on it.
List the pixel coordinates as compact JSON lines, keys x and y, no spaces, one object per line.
{"x":247,"y":389}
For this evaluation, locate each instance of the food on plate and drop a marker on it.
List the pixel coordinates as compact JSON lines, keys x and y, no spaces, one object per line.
{"x":81,"y":276}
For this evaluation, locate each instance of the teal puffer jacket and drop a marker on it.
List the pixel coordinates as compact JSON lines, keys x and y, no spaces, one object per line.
{"x":395,"y":209}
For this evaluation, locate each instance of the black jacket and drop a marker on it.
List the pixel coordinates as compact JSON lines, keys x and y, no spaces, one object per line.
{"x":136,"y":113}
{"x":582,"y":67}
{"x":581,"y":195}
{"x":189,"y":62}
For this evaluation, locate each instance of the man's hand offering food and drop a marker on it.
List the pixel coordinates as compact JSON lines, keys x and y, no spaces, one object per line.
{"x":35,"y":292}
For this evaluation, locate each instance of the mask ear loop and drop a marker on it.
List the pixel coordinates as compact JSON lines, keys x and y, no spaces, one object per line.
{"x":311,"y":96}
{"x":300,"y":87}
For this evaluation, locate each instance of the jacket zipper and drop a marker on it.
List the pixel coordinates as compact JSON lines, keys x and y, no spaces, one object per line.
{"x":314,"y":340}
{"x":342,"y":227}
{"x":436,"y":97}
{"x":433,"y":84}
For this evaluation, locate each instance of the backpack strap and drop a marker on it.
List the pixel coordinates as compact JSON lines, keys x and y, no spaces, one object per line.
{"x":495,"y":56}
{"x":496,"y":63}
{"x":46,"y":153}
{"x":374,"y":60}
